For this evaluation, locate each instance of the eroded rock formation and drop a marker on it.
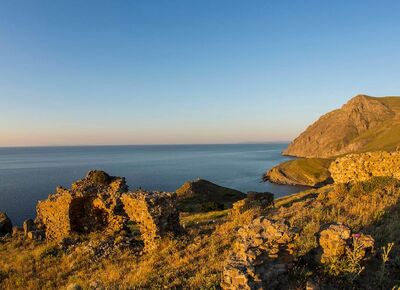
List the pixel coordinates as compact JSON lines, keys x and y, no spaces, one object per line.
{"x":261,"y":256}
{"x":361,"y":167}
{"x":91,"y":204}
{"x":154,"y":212}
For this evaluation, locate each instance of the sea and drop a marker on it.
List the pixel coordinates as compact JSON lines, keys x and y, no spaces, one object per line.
{"x":29,"y":174}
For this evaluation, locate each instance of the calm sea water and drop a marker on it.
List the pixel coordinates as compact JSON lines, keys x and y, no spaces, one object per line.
{"x":30,"y":174}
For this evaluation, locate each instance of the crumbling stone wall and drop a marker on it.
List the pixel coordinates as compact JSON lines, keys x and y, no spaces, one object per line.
{"x":91,"y":204}
{"x":361,"y":167}
{"x":155,"y":213}
{"x":261,"y":256}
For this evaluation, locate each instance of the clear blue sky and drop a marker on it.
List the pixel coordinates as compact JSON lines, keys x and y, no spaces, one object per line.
{"x":150,"y":72}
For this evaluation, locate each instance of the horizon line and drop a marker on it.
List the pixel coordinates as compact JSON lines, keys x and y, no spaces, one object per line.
{"x":151,"y":144}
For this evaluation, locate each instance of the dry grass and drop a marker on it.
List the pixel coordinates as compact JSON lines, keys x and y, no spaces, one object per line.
{"x":195,"y":259}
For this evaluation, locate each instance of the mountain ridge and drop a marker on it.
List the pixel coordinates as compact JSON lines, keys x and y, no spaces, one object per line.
{"x":364,"y":123}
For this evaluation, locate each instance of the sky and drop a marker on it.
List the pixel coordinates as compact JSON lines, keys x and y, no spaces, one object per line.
{"x":182,"y":72}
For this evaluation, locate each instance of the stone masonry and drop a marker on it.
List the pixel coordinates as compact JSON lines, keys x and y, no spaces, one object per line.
{"x":261,"y":256}
{"x":92,"y":204}
{"x":155,"y":213}
{"x":361,"y":167}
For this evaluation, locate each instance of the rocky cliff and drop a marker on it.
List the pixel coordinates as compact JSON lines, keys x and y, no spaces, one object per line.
{"x":363,"y":124}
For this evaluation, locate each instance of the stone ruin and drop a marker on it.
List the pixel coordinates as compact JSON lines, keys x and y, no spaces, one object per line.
{"x":261,"y":257}
{"x":92,"y":204}
{"x":337,"y":239}
{"x":363,"y":166}
{"x":100,"y":202}
{"x":154,"y":212}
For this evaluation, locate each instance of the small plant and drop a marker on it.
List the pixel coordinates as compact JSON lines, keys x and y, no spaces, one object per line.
{"x":385,"y":259}
{"x":348,"y":266}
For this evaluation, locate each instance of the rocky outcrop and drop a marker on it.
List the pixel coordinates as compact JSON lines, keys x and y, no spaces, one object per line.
{"x":198,"y":195}
{"x":154,"y":212}
{"x":92,"y":204}
{"x":363,"y":124}
{"x":337,"y":240}
{"x":361,"y":167}
{"x":261,"y":256}
{"x":5,"y":224}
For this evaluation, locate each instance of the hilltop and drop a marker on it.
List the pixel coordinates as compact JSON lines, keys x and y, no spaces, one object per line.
{"x":363,"y":124}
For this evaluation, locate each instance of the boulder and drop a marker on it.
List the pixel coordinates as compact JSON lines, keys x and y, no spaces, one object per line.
{"x":336,"y":240}
{"x":5,"y":224}
{"x":28,"y":226}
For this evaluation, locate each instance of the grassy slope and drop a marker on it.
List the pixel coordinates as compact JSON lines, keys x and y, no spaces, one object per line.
{"x":302,"y":171}
{"x":387,"y":136}
{"x":202,"y":195}
{"x":195,"y":260}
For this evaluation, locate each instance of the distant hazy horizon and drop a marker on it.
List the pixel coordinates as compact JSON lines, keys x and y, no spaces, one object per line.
{"x":187,"y":72}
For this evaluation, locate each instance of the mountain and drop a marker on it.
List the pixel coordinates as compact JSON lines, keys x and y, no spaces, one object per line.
{"x":363,"y":124}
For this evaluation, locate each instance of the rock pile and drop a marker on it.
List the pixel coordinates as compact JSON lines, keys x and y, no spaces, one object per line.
{"x":5,"y":224}
{"x":155,"y":213}
{"x":253,"y":199}
{"x":336,"y":240}
{"x":91,"y":204}
{"x":361,"y":167}
{"x":261,"y":256}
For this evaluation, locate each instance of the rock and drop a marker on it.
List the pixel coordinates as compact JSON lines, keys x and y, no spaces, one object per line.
{"x":28,"y":226}
{"x":37,"y":235}
{"x":261,"y":256}
{"x":333,"y":241}
{"x":16,"y":231}
{"x":359,"y":124}
{"x":198,"y":195}
{"x":5,"y":224}
{"x":155,"y":213}
{"x":337,"y":239}
{"x":361,"y":167}
{"x":312,"y":285}
{"x":92,"y":204}
{"x":74,"y":286}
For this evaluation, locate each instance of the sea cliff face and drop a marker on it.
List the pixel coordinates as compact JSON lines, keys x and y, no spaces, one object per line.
{"x":363,"y":124}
